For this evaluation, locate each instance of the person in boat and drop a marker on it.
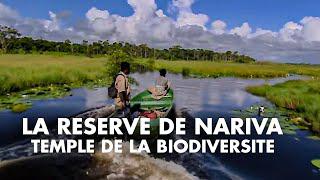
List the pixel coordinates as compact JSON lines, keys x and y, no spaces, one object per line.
{"x":162,"y":85}
{"x":123,"y":87}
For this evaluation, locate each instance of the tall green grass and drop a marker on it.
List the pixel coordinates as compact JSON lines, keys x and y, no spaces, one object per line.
{"x":252,"y":70}
{"x":302,"y":97}
{"x":22,"y":72}
{"x":19,"y":72}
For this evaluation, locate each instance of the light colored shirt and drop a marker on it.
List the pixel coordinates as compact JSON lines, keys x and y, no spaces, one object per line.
{"x":162,"y":84}
{"x":122,"y":85}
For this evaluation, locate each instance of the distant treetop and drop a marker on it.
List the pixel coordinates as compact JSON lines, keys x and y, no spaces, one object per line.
{"x":11,"y":42}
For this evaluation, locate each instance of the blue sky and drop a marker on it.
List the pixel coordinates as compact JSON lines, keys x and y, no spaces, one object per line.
{"x":269,"y":14}
{"x":277,"y":30}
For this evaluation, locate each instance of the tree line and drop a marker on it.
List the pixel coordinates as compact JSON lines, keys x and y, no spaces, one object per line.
{"x":11,"y":41}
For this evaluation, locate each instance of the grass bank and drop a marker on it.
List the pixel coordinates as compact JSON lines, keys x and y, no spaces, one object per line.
{"x":39,"y":76}
{"x":19,"y":72}
{"x":34,"y":76}
{"x":300,"y":97}
{"x":252,"y":70}
{"x":53,"y":75}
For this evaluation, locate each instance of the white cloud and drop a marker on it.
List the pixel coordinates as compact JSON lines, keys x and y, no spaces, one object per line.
{"x":7,"y":15}
{"x":160,"y":13}
{"x":311,"y":29}
{"x":242,"y":31}
{"x":289,"y":30}
{"x":7,"y":12}
{"x":143,"y":9}
{"x":218,"y":27}
{"x":293,"y":42}
{"x":95,"y":13}
{"x":308,"y":30}
{"x":186,"y":15}
{"x":100,"y":21}
{"x":52,"y":24}
{"x":183,"y":4}
{"x":187,"y":18}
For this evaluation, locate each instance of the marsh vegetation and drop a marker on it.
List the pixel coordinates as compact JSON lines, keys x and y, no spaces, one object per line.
{"x":35,"y":75}
{"x":301,"y":97}
{"x":229,"y":69}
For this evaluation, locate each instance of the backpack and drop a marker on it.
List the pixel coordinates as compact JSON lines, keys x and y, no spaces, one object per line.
{"x":112,"y":90}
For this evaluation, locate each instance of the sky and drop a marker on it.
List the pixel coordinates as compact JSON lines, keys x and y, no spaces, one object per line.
{"x":277,"y":30}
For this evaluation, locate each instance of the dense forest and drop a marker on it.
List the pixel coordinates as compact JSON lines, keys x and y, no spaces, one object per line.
{"x":11,"y":41}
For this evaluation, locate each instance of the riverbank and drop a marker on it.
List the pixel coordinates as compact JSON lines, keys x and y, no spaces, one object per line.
{"x":25,"y":77}
{"x":244,"y":70}
{"x":300,"y":97}
{"x":36,"y":76}
{"x":20,"y":72}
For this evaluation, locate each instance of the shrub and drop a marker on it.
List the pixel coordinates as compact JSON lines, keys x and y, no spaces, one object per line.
{"x":185,"y":71}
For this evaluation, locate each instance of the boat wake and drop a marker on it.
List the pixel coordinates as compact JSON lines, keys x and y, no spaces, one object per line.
{"x":123,"y":165}
{"x":204,"y":165}
{"x":135,"y":166}
{"x":100,"y":165}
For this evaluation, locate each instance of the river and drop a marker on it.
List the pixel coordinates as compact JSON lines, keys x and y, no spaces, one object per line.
{"x":194,"y":97}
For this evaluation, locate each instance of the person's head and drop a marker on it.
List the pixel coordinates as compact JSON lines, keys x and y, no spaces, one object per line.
{"x":125,"y":67}
{"x":163,"y":72}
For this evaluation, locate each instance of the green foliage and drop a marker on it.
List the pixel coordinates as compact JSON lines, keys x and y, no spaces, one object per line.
{"x":186,"y":71}
{"x":100,"y":48}
{"x":114,"y":61}
{"x":252,"y":70}
{"x":7,"y":36}
{"x":298,"y":96}
{"x":286,"y":122}
{"x":151,"y":63}
{"x":28,"y":77}
{"x":20,"y":72}
{"x":18,"y":108}
{"x":259,"y":90}
{"x":11,"y":100}
{"x":316,"y":163}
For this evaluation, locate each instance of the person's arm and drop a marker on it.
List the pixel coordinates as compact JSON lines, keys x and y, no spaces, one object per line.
{"x":168,"y":84}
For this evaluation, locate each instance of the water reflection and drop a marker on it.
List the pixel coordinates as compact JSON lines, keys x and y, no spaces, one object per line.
{"x":199,"y":97}
{"x":217,"y":98}
{"x":208,"y":95}
{"x":221,"y":95}
{"x":81,"y":100}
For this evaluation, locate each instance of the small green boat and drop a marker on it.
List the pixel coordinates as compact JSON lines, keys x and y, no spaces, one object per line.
{"x":145,"y":102}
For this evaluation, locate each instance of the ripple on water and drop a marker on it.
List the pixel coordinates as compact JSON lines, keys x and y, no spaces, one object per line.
{"x":136,"y":166}
{"x":193,"y":95}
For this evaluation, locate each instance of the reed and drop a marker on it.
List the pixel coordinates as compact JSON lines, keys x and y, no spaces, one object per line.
{"x":247,"y":70}
{"x":301,"y":97}
{"x":23,"y":72}
{"x":20,"y":72}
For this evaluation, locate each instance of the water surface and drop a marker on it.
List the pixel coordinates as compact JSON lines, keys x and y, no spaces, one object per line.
{"x":218,"y":98}
{"x":194,"y":97}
